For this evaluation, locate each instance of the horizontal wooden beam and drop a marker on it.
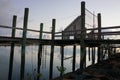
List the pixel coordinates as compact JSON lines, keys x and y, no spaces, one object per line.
{"x":17,"y":40}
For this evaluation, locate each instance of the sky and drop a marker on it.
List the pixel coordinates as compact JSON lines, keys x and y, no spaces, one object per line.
{"x":64,"y":11}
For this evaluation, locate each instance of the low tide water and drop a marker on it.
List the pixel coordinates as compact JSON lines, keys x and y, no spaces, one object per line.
{"x":31,"y":61}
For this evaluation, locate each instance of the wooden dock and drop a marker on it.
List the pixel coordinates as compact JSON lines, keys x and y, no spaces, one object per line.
{"x":84,"y":37}
{"x":57,"y":42}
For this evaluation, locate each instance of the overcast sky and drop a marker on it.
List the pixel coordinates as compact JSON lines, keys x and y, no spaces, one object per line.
{"x":64,"y":11}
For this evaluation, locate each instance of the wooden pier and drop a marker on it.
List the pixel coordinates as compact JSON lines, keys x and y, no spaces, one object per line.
{"x":81,"y":37}
{"x":29,"y":41}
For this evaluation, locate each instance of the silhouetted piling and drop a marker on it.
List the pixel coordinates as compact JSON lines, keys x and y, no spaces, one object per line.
{"x":39,"y":50}
{"x":83,"y":32}
{"x":52,"y":50}
{"x":109,"y":51}
{"x":74,"y":58}
{"x":12,"y":48}
{"x":93,"y":55}
{"x":22,"y":70}
{"x":89,"y":53}
{"x":102,"y":53}
{"x":62,"y":55}
{"x":114,"y":50}
{"x":74,"y":50}
{"x":99,"y":36}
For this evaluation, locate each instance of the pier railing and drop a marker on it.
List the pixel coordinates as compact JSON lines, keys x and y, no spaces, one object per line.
{"x":105,"y":31}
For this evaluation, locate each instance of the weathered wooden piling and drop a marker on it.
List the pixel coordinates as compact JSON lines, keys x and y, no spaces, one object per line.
{"x":89,"y":54}
{"x":109,"y":51}
{"x":39,"y":51}
{"x":102,"y":49}
{"x":114,"y":50}
{"x":52,"y":49}
{"x":74,"y":50}
{"x":74,"y":58}
{"x":25,"y":22}
{"x":62,"y":55}
{"x":82,"y":43}
{"x":12,"y":48}
{"x":99,"y":36}
{"x":93,"y":55}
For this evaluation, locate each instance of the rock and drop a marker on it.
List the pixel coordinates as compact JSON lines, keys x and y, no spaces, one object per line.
{"x":106,"y":70}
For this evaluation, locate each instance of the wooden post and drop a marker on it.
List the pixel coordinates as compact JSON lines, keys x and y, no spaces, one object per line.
{"x":102,"y":49}
{"x":89,"y":53}
{"x":74,"y":50}
{"x":62,"y":55}
{"x":109,"y":50}
{"x":39,"y":50}
{"x":74,"y":58}
{"x":99,"y":26}
{"x":99,"y":36}
{"x":82,"y":43}
{"x":52,"y":50}
{"x":12,"y":48}
{"x":114,"y":50}
{"x":22,"y":70}
{"x":93,"y":55}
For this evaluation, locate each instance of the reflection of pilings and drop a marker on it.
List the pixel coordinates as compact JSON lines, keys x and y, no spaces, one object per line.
{"x":52,"y":50}
{"x":12,"y":49}
{"x":74,"y":58}
{"x":44,"y":56}
{"x":39,"y":50}
{"x":22,"y":70}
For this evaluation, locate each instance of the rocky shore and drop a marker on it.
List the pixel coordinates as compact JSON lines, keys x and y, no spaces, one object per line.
{"x":106,"y":70}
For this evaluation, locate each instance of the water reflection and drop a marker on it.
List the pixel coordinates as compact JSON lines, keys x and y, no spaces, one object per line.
{"x":31,"y":61}
{"x":4,"y":62}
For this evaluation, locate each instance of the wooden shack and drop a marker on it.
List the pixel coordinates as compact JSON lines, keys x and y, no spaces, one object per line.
{"x":73,"y":30}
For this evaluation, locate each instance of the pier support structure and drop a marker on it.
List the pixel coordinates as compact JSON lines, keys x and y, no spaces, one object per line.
{"x":62,"y":55}
{"x":99,"y":37}
{"x":12,"y":48}
{"x":83,"y":35}
{"x":23,"y":46}
{"x":74,"y":58}
{"x":52,"y":49}
{"x":39,"y":51}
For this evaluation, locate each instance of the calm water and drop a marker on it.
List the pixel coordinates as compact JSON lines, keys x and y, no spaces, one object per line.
{"x":31,"y":61}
